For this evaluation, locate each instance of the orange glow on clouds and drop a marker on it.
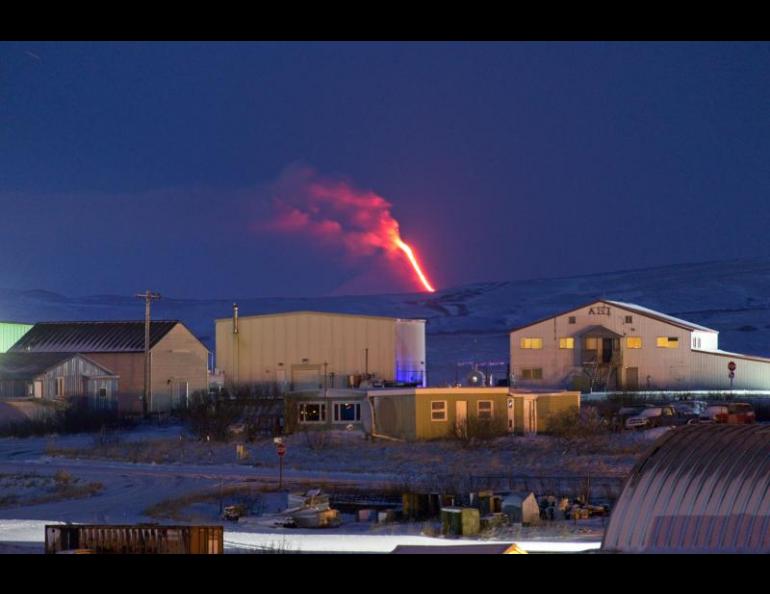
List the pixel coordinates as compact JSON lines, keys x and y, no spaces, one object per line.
{"x":334,"y":213}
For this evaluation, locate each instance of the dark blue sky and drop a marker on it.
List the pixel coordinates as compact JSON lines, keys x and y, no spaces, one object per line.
{"x":133,"y":165}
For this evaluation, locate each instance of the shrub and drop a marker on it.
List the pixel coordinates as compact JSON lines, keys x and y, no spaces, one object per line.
{"x":475,"y":430}
{"x":73,"y":418}
{"x":578,"y":427}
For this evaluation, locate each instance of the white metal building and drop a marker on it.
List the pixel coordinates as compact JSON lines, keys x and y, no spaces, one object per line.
{"x":614,"y":345}
{"x":307,"y":350}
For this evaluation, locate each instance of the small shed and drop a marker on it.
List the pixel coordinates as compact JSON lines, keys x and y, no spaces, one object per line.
{"x":522,"y":508}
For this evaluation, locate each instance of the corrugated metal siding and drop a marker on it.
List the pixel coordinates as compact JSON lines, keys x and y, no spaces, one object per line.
{"x":264,"y":342}
{"x":10,"y":333}
{"x":90,"y":337}
{"x":700,"y":489}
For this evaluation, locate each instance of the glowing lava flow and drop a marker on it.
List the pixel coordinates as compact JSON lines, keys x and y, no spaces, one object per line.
{"x":410,"y":254}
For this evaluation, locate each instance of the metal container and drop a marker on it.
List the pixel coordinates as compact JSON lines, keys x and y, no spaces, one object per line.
{"x":135,"y":539}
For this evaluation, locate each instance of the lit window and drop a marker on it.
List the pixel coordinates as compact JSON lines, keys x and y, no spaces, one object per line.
{"x":633,"y":342}
{"x":567,"y":343}
{"x":591,"y":343}
{"x":438,"y":410}
{"x":668,"y":342}
{"x":485,"y":409}
{"x":312,"y":412}
{"x":346,"y":412}
{"x":531,"y":343}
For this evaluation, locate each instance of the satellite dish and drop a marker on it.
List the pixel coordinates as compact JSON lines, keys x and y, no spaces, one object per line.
{"x":475,"y":378}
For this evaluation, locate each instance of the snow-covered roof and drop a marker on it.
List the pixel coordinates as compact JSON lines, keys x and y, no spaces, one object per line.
{"x":645,"y":311}
{"x":660,"y":316}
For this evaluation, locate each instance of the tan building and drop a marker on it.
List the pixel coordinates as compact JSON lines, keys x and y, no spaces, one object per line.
{"x":308,"y":350}
{"x":432,"y":413}
{"x":613,"y":345}
{"x":178,"y":360}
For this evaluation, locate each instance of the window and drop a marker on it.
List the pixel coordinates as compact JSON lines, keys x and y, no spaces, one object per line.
{"x":668,"y":342}
{"x":567,"y":343}
{"x":102,"y":392}
{"x":633,"y":342}
{"x":629,"y":319}
{"x":531,"y":343}
{"x":312,"y":412}
{"x":591,"y":343}
{"x":30,"y":389}
{"x":696,"y":342}
{"x":345,"y":412}
{"x":485,"y":410}
{"x":572,"y":320}
{"x":532,"y":374}
{"x":60,"y":386}
{"x":438,"y":410}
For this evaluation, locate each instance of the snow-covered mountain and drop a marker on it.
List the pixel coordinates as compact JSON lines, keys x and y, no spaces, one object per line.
{"x":470,"y":323}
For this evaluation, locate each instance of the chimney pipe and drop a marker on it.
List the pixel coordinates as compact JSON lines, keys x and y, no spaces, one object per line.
{"x":235,"y":318}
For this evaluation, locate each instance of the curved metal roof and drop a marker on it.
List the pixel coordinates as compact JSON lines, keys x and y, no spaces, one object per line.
{"x":699,"y":489}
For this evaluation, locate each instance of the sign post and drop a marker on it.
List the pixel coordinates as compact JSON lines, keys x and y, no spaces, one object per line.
{"x":280,"y":449}
{"x":731,"y":368}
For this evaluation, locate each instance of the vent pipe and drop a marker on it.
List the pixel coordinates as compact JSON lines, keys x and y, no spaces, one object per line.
{"x":235,"y":318}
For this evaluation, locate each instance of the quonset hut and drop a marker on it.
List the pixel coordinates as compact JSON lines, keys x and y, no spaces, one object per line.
{"x":699,"y":489}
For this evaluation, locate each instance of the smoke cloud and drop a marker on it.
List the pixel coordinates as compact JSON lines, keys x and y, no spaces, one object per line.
{"x":334,"y":213}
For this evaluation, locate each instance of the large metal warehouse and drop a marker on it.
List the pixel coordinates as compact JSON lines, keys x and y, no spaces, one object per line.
{"x":699,"y":489}
{"x":622,"y":346}
{"x":178,"y":360}
{"x":307,"y":350}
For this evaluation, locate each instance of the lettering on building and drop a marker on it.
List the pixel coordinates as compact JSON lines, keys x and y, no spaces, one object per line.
{"x":599,"y":310}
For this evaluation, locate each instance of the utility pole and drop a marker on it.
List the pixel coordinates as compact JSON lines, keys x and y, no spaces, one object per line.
{"x":148,"y":297}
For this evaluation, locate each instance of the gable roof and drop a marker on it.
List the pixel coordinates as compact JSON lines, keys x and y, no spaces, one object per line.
{"x":650,"y":313}
{"x":91,"y":337}
{"x":28,"y":365}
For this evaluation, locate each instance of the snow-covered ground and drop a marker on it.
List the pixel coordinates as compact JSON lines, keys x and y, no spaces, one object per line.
{"x":131,"y":488}
{"x":470,"y":323}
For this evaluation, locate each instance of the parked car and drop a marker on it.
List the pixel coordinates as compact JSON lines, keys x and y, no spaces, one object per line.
{"x":656,"y":416}
{"x":690,"y":408}
{"x":737,"y":413}
{"x":618,"y":420}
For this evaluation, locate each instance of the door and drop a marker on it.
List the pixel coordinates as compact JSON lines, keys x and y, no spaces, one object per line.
{"x":461,"y":417}
{"x":38,"y":389}
{"x":306,"y":377}
{"x":632,"y":378}
{"x":530,"y":415}
{"x":606,"y":350}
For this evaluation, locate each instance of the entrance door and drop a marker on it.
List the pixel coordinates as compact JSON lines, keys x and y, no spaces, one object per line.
{"x":461,"y":417}
{"x":632,"y":378}
{"x":530,"y":415}
{"x":606,"y":350}
{"x":38,"y":389}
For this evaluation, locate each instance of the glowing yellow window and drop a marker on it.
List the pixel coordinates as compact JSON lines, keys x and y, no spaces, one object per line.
{"x":633,"y":342}
{"x":531,"y":343}
{"x":668,"y":342}
{"x":567,"y":343}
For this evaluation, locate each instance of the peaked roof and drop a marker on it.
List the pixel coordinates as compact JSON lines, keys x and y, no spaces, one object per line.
{"x":91,"y":337}
{"x":28,"y":365}
{"x":650,"y":313}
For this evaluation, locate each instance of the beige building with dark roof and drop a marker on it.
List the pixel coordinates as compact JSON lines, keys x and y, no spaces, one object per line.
{"x":178,"y":360}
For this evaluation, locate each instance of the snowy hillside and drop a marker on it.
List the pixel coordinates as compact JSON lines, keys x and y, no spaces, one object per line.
{"x":471,"y":322}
